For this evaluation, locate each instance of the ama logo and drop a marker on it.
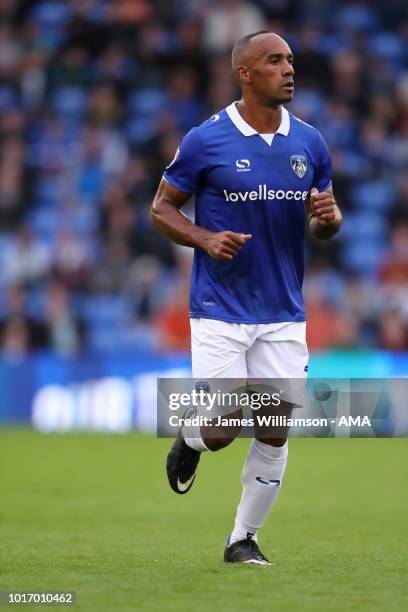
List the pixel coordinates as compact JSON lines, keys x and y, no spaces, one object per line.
{"x":243,"y":165}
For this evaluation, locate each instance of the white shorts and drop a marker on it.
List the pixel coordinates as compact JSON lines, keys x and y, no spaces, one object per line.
{"x":273,"y":351}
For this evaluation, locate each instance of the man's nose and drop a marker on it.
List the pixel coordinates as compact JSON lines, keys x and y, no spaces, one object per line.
{"x":288,"y":69}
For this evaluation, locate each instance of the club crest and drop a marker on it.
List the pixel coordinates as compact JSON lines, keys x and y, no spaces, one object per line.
{"x":299,"y":165}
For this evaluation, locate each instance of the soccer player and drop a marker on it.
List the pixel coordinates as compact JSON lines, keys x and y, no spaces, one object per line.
{"x":258,"y":174}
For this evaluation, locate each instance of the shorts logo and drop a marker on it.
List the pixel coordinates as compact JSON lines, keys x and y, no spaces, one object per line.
{"x":243,"y":165}
{"x":299,"y":165}
{"x":202,"y":385}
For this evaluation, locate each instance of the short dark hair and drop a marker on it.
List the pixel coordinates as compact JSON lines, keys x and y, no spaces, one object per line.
{"x":242,"y":43}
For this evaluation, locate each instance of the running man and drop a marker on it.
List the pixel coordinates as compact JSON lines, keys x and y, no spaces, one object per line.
{"x":259,"y":175}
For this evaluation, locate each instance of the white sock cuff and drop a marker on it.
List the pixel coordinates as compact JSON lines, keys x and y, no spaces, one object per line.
{"x":196,"y":443}
{"x":192,"y":437}
{"x":270,"y":452}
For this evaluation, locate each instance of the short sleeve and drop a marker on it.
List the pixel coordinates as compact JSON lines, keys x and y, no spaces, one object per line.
{"x":188,"y":163}
{"x":322,"y":179}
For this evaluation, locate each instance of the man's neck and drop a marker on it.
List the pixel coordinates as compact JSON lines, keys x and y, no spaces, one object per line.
{"x":264,"y":119}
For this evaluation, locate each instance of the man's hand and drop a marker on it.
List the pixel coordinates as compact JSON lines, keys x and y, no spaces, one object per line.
{"x":323,"y":206}
{"x":324,"y":214}
{"x":168,"y":218}
{"x":224,"y":245}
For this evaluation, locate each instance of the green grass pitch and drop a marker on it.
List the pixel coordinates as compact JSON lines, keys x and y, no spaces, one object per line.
{"x":94,"y":514}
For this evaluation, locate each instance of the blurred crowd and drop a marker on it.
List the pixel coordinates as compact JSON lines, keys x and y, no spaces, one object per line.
{"x":94,"y":98}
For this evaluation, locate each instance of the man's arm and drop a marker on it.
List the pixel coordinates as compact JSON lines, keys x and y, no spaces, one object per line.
{"x":324,"y":215}
{"x":167,"y":217}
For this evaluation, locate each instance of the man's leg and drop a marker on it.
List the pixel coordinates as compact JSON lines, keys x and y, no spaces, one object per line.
{"x":218,"y":360}
{"x":262,"y":474}
{"x":218,"y":353}
{"x":280,"y":355}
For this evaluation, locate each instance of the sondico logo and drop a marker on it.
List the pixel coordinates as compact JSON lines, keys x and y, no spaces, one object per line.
{"x":243,"y":165}
{"x":263,"y":193}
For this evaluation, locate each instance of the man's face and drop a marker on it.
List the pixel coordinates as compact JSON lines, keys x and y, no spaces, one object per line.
{"x":267,"y":69}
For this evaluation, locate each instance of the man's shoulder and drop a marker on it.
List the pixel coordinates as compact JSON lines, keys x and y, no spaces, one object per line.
{"x":213,"y":125}
{"x":305,"y":130}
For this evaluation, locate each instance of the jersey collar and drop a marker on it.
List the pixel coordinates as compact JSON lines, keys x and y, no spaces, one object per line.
{"x":247,"y":130}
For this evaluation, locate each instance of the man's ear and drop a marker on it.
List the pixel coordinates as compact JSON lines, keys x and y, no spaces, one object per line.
{"x":243,"y":75}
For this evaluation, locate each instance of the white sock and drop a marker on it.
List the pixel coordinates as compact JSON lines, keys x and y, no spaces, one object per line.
{"x":261,"y":481}
{"x":192,"y":437}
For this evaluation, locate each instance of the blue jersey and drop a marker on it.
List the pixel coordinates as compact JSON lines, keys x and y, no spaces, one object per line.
{"x":252,"y":184}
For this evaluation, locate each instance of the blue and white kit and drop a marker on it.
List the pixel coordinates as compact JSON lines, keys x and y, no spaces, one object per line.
{"x":255,"y":184}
